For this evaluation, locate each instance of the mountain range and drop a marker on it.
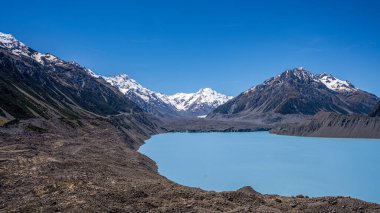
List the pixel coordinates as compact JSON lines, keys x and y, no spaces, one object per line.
{"x":69,"y":137}
{"x":198,"y":104}
{"x":45,"y":85}
{"x":195,"y":104}
{"x":42,"y":85}
{"x":299,"y":91}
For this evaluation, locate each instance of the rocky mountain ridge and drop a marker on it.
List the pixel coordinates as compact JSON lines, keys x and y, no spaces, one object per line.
{"x":49,"y":87}
{"x":195,"y":104}
{"x":299,"y":91}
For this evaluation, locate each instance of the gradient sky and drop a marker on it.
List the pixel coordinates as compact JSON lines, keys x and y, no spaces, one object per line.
{"x":172,"y":46}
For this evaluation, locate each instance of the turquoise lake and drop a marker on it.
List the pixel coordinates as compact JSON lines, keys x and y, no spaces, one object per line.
{"x":271,"y":164}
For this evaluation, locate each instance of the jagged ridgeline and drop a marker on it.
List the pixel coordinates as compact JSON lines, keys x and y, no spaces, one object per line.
{"x":41,"y":85}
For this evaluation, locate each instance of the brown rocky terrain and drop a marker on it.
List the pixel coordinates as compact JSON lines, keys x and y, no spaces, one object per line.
{"x":92,"y":165}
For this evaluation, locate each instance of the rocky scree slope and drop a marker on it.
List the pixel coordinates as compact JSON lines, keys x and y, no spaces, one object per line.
{"x":330,"y":124}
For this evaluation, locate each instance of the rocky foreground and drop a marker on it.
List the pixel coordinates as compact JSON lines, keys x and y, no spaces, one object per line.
{"x":92,"y":165}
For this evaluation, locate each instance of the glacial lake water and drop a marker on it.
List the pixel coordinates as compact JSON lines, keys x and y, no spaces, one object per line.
{"x":271,"y":164}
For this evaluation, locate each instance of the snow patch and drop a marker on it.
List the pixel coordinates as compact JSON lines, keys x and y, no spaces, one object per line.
{"x":92,"y":73}
{"x":336,"y":84}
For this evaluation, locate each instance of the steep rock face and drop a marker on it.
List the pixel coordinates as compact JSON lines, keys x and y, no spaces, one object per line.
{"x":50,"y":87}
{"x":195,"y":104}
{"x":376,"y":111}
{"x":299,"y":91}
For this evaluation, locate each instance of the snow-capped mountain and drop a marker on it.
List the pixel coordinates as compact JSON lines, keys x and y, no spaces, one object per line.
{"x":20,"y":49}
{"x":328,"y":80}
{"x":299,"y":91}
{"x":148,"y":100}
{"x":42,"y":85}
{"x":180,"y":104}
{"x":16,"y":47}
{"x":199,"y":103}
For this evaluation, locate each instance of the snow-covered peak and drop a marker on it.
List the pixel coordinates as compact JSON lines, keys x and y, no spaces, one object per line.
{"x":16,"y":47}
{"x":180,"y":102}
{"x":335,"y":84}
{"x":207,"y":92}
{"x":8,"y":41}
{"x":124,"y":83}
{"x":129,"y":86}
{"x":205,"y":96}
{"x":300,"y":73}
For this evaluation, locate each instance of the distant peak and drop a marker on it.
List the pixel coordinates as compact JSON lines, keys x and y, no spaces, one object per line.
{"x":9,"y":41}
{"x":300,"y":69}
{"x":298,"y":72}
{"x":123,"y":76}
{"x":119,"y":78}
{"x":206,"y":90}
{"x":9,"y":37}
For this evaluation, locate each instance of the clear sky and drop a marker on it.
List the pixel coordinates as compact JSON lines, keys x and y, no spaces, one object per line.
{"x":183,"y":45}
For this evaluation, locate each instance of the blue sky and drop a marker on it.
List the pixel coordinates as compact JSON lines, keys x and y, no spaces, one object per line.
{"x":172,"y":46}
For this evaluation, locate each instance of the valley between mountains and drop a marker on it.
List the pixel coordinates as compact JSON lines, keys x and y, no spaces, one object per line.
{"x":69,"y":137}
